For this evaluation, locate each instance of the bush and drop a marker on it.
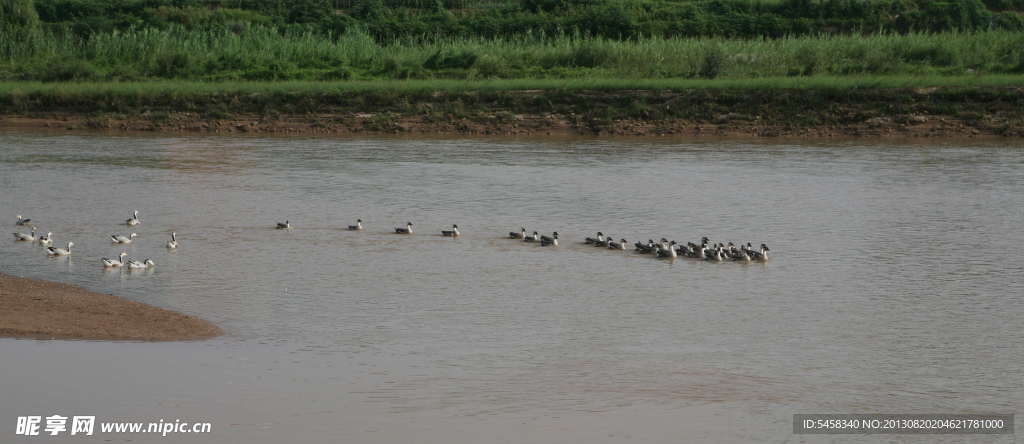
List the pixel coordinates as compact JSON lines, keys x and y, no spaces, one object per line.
{"x":18,"y":19}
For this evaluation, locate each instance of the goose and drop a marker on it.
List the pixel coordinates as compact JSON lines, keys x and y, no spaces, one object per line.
{"x":590,"y":240}
{"x":662,"y":244}
{"x":669,"y":252}
{"x":549,"y":241}
{"x":133,"y":221}
{"x":406,"y":230}
{"x":25,"y":237}
{"x":762,"y":255}
{"x":649,"y":248}
{"x":119,"y":239}
{"x":173,"y":243}
{"x":713,"y":255}
{"x":286,"y":224}
{"x":135,"y":265}
{"x":21,"y":221}
{"x":603,"y":242}
{"x":357,"y":226}
{"x":54,"y":251}
{"x":115,"y":263}
{"x":533,"y":238}
{"x":741,"y":254}
{"x":46,"y":239}
{"x":519,"y":235}
{"x":454,"y":232}
{"x":617,"y":245}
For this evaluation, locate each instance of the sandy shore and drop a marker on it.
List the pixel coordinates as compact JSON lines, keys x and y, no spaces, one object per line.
{"x":30,"y":308}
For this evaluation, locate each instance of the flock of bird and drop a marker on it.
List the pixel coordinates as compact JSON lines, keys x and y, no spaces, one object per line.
{"x":47,"y":240}
{"x":664,"y":249}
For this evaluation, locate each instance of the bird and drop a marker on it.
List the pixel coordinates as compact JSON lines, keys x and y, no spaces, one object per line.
{"x":533,"y":238}
{"x":549,"y":241}
{"x":669,"y":252}
{"x":762,"y":255}
{"x":454,"y":232}
{"x":741,"y":254}
{"x":135,"y":265}
{"x":54,"y":251}
{"x":617,"y":245}
{"x":406,"y":230}
{"x":46,"y":239}
{"x":25,"y":237}
{"x":286,"y":224}
{"x":357,"y":226}
{"x":173,"y":243}
{"x":21,"y":221}
{"x":133,"y":221}
{"x":602,"y":242}
{"x":519,"y":235}
{"x":590,"y":240}
{"x":115,"y":263}
{"x":119,"y":239}
{"x":647,"y":249}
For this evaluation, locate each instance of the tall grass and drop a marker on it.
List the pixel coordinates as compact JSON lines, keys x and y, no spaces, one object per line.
{"x":259,"y":53}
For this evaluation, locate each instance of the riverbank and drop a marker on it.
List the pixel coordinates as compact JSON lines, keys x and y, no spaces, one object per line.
{"x":757,"y":111}
{"x":31,"y":308}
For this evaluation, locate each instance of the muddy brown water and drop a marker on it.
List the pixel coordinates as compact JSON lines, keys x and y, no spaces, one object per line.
{"x":895,"y":286}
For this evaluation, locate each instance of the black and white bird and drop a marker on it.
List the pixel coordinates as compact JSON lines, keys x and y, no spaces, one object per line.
{"x":25,"y":236}
{"x":21,"y":221}
{"x":590,"y":240}
{"x":617,"y":245}
{"x":133,"y":221}
{"x":534,"y":238}
{"x":603,"y":242}
{"x":520,"y":235}
{"x":549,"y":241}
{"x":406,"y":230}
{"x":46,"y":239}
{"x":115,"y":262}
{"x":119,"y":239}
{"x":285,"y":225}
{"x":54,"y":251}
{"x":668,"y":251}
{"x":135,"y":265}
{"x":173,"y":243}
{"x":454,"y":231}
{"x":357,"y":226}
{"x":549,"y":238}
{"x":762,"y":255}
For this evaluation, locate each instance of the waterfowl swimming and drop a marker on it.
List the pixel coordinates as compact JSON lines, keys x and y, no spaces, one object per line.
{"x":602,"y":242}
{"x":669,"y":252}
{"x":137,"y":265}
{"x":647,"y":249}
{"x":357,"y":226}
{"x":519,"y":235}
{"x":762,"y":255}
{"x":21,"y":221}
{"x":286,"y":224}
{"x":741,"y":254}
{"x":590,"y":240}
{"x":133,"y":221}
{"x":119,"y":239}
{"x":534,"y":238}
{"x":406,"y":230}
{"x":173,"y":243}
{"x":46,"y":239}
{"x":713,"y":254}
{"x":549,"y":241}
{"x":115,"y":263}
{"x":454,"y":232}
{"x":25,"y":237}
{"x":54,"y":251}
{"x":617,"y":245}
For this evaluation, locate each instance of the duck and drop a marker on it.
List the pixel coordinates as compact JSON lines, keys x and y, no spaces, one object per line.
{"x":762,"y":255}
{"x":534,"y":238}
{"x":590,"y":240}
{"x":118,"y":239}
{"x":669,"y":252}
{"x":741,"y":254}
{"x":406,"y":230}
{"x":54,"y":251}
{"x":115,"y":263}
{"x":454,"y":232}
{"x":285,"y":225}
{"x":520,"y":235}
{"x":133,"y":221}
{"x":357,"y":226}
{"x":603,"y":242}
{"x":135,"y":265}
{"x":173,"y":243}
{"x":21,"y":221}
{"x":46,"y":239}
{"x":617,"y":245}
{"x":25,"y":237}
{"x":549,"y":241}
{"x":647,"y":249}
{"x":713,"y":254}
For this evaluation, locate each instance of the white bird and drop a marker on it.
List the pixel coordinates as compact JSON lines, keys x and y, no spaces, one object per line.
{"x":25,"y":237}
{"x":119,"y":239}
{"x":54,"y":251}
{"x":454,"y":232}
{"x":286,"y":224}
{"x":357,"y":226}
{"x":115,"y":263}
{"x":173,"y":243}
{"x":21,"y":221}
{"x":133,"y":221}
{"x":134,"y":265}
{"x":46,"y":239}
{"x":406,"y":230}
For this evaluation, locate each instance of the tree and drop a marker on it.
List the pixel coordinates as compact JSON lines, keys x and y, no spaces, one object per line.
{"x":18,"y":19}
